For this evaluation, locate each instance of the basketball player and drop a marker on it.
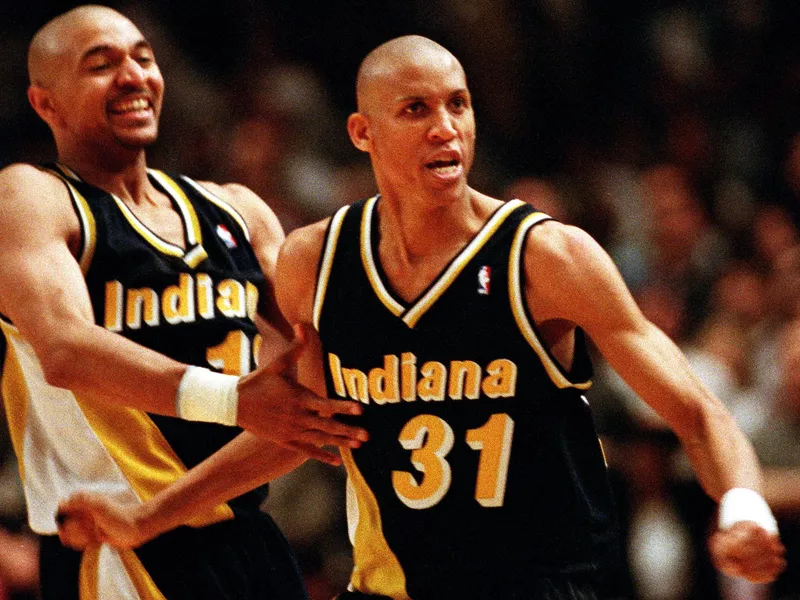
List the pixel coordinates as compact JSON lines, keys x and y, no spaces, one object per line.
{"x":457,"y":321}
{"x":113,"y":279}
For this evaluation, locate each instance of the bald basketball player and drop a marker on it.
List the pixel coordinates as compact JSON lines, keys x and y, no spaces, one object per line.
{"x":134,"y":304}
{"x":458,"y":322}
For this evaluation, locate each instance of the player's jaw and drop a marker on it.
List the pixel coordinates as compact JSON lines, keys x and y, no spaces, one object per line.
{"x":133,"y":117}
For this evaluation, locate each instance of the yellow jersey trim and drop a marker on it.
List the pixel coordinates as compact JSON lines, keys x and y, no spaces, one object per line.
{"x":517,"y":299}
{"x":86,"y":219}
{"x":219,"y":202}
{"x":368,"y":259}
{"x":467,"y":254}
{"x":94,"y":584}
{"x":326,"y":263}
{"x":142,"y":453}
{"x":376,"y":569}
{"x":89,"y":227}
{"x":15,"y":394}
{"x":193,"y":234}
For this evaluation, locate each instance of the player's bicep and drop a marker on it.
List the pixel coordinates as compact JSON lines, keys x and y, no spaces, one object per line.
{"x":581,"y":284}
{"x":42,"y":289}
{"x":570,"y":277}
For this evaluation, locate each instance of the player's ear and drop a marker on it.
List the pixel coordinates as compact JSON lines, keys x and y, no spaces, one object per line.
{"x":41,"y":102}
{"x":358,"y":129}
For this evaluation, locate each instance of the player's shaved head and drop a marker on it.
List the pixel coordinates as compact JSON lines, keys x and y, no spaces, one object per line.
{"x":53,"y":41}
{"x":392,"y":56}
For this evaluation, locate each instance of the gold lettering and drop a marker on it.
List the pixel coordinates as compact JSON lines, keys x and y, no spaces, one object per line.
{"x":335,"y":366}
{"x":252,"y":301}
{"x":356,"y":383}
{"x":501,"y":381}
{"x":177,"y":303}
{"x":465,"y":380}
{"x":113,"y":309}
{"x":408,"y":377}
{"x":383,"y":384}
{"x":205,"y":296}
{"x":231,"y":301}
{"x":432,"y":384}
{"x":141,"y":303}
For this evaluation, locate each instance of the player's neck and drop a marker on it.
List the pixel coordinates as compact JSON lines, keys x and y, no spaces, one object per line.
{"x":414,"y":230}
{"x":126,"y":179}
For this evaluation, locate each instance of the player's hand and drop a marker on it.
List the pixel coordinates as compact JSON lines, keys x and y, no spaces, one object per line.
{"x":87,"y":519}
{"x":273,"y":405}
{"x":747,"y":550}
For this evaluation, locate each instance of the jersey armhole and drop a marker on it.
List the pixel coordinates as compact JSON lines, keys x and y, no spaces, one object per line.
{"x":219,"y":203}
{"x":86,"y":220}
{"x":326,"y":263}
{"x":519,"y":308}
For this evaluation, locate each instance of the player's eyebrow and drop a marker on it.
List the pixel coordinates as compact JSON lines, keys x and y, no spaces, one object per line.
{"x":103,"y":48}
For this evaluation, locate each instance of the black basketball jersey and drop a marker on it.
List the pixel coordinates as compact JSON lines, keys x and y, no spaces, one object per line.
{"x":194,"y":304}
{"x":483,"y":469}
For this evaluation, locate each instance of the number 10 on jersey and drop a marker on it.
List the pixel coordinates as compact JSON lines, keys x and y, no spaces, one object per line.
{"x":430,"y":439}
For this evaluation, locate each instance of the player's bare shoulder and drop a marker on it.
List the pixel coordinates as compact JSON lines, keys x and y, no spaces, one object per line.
{"x":258,"y":216}
{"x":32,"y":198}
{"x":298,"y":268}
{"x":555,"y":248}
{"x":304,"y":245}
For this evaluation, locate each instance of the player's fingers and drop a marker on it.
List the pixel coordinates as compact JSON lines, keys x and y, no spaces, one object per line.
{"x":321,"y":438}
{"x":79,"y":502}
{"x":301,"y":333}
{"x":284,"y":361}
{"x":330,"y":431}
{"x":74,"y":532}
{"x":320,"y":454}
{"x":326,"y":406}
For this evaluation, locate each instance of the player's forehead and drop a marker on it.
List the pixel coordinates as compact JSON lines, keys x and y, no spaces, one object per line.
{"x":105,"y":30}
{"x":96,"y":30}
{"x":415,"y":76}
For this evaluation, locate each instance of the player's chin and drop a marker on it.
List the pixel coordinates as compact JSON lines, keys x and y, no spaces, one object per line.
{"x":136,"y":140}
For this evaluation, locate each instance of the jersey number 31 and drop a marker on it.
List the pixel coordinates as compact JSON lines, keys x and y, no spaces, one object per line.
{"x":430,"y":439}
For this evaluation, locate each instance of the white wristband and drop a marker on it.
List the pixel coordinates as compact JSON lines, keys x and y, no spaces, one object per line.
{"x":204,"y":395}
{"x":741,"y":504}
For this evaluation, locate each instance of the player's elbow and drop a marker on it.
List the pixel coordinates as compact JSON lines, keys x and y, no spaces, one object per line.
{"x":701,"y":420}
{"x":59,"y":359}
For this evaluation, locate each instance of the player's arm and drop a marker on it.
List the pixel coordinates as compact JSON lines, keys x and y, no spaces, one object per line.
{"x":296,"y":278}
{"x":782,"y":490}
{"x":571,"y":279}
{"x":43,"y":292}
{"x":244,"y":463}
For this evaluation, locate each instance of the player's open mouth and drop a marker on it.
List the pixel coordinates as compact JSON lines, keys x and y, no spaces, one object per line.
{"x":444,"y":167}
{"x":129,"y":106}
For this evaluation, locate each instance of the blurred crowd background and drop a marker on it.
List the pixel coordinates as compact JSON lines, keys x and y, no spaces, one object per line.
{"x":670,"y":130}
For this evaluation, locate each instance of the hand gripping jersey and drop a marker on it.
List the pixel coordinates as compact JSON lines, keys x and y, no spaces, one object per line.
{"x":195,"y":305}
{"x":483,"y":470}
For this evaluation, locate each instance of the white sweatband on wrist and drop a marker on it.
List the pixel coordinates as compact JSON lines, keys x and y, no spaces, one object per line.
{"x":741,"y":504}
{"x":204,"y":395}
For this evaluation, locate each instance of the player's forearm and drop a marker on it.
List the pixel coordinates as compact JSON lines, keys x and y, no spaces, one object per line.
{"x":782,"y":490}
{"x":658,"y":372}
{"x":721,"y":455}
{"x":98,"y":364}
{"x":240,"y":466}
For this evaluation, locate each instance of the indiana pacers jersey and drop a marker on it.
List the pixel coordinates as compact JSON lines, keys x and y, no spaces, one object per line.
{"x":195,"y":304}
{"x":483,"y":470}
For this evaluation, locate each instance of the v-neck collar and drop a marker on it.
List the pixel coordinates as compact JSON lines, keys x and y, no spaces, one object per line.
{"x":194,"y":253}
{"x":411,"y":312}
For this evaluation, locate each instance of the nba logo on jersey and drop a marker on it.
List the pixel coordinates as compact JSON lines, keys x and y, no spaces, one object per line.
{"x":484,"y":280}
{"x":226,"y":236}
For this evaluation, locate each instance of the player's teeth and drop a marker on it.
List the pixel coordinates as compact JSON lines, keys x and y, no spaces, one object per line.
{"x":133,"y":105}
